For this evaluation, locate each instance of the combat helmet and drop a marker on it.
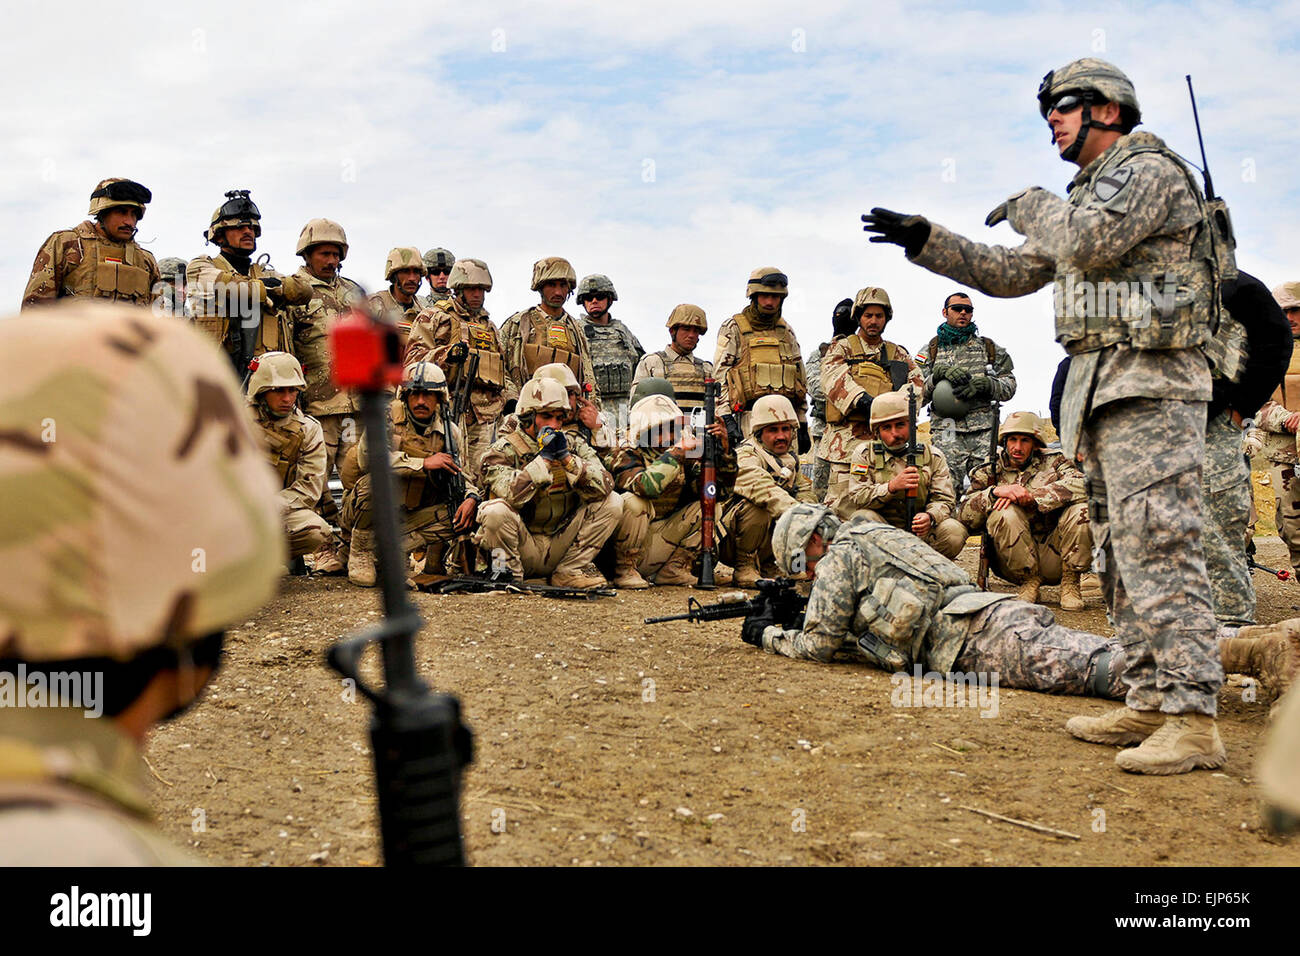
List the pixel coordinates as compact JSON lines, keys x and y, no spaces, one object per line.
{"x":945,"y":403}
{"x":237,"y":210}
{"x":888,"y":406}
{"x":111,"y":193}
{"x":653,"y":422}
{"x":274,"y":370}
{"x":1023,"y":423}
{"x":423,"y":377}
{"x":557,"y":372}
{"x":872,"y":295}
{"x":1094,"y":81}
{"x":794,"y":529}
{"x":468,"y":272}
{"x":1287,"y":295}
{"x":318,"y":231}
{"x":439,"y":259}
{"x":170,"y":266}
{"x":542,"y":395}
{"x":403,"y":257}
{"x":691,"y":316}
{"x":593,"y":285}
{"x":771,"y":410}
{"x":651,"y":386}
{"x":769,"y":280}
{"x":553,"y":269}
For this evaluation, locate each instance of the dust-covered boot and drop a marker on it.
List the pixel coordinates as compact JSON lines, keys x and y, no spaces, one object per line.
{"x":1288,"y":630}
{"x":677,"y":571}
{"x":625,"y":573}
{"x":746,"y":574}
{"x":1071,"y":599}
{"x":1029,"y":590}
{"x":584,"y":577}
{"x":1184,"y":743}
{"x":1124,"y":725}
{"x":361,"y":562}
{"x":1090,"y":584}
{"x":723,"y":574}
{"x":1267,"y":656}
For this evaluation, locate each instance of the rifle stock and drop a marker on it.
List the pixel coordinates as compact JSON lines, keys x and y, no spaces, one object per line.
{"x":708,"y":488}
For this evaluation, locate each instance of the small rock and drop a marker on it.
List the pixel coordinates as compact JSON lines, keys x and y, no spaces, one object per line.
{"x":715,"y":817}
{"x":687,"y":812}
{"x":320,"y":857}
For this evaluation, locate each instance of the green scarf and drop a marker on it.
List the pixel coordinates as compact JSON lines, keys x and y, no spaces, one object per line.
{"x":950,"y":335}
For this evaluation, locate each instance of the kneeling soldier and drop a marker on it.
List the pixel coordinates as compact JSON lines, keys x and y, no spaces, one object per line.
{"x":1035,"y":507}
{"x":423,"y":469}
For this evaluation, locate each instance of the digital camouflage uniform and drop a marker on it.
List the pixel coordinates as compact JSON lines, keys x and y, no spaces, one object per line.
{"x":1225,"y":509}
{"x":1280,"y":452}
{"x":84,"y":261}
{"x":686,"y":373}
{"x":821,"y":471}
{"x":531,"y":339}
{"x":766,"y":485}
{"x":296,"y":449}
{"x":615,"y":353}
{"x":238,"y":311}
{"x":758,"y":355}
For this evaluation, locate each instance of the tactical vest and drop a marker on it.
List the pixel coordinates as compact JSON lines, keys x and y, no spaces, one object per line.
{"x":424,"y":489}
{"x":547,"y":340}
{"x":895,"y":510}
{"x":481,"y":338}
{"x":273,"y":333}
{"x":393,"y":311}
{"x":769,"y":364}
{"x":311,"y":327}
{"x":551,"y":507}
{"x":686,"y":374}
{"x":284,"y":438}
{"x":1288,"y":393}
{"x":1149,"y":299}
{"x":612,"y":363}
{"x":108,"y":270}
{"x":873,"y":374}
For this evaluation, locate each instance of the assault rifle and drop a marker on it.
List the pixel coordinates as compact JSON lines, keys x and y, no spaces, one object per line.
{"x":505,"y":583}
{"x":986,"y":541}
{"x":778,"y":599}
{"x":912,"y":450}
{"x":708,"y":488}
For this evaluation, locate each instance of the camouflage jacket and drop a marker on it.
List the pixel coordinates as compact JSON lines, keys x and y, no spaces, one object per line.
{"x":973,"y":356}
{"x":773,"y":483}
{"x":296,"y":447}
{"x":615,"y":353}
{"x":447,"y":322}
{"x":546,"y":494}
{"x":386,"y":304}
{"x":667,"y":483}
{"x":816,"y":394}
{"x":842,"y":390}
{"x":410,"y":443}
{"x":311,"y":325}
{"x":221,"y":298}
{"x":874,"y":466}
{"x":1049,"y":476}
{"x":549,"y":335}
{"x":84,"y":261}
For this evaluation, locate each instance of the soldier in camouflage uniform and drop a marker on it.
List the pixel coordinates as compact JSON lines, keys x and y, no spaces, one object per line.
{"x":438,"y":264}
{"x":553,"y":504}
{"x":880,"y":477}
{"x":461,"y":318}
{"x":1279,"y":421}
{"x":170,"y":287}
{"x":768,"y":483}
{"x":421,"y":466}
{"x":841,"y":324}
{"x":856,"y":369}
{"x":582,"y":419}
{"x":238,"y":302}
{"x":102,"y":520}
{"x":978,"y":371}
{"x":615,"y":351}
{"x":677,"y":363}
{"x":99,"y":257}
{"x":399,"y":303}
{"x":1134,"y":402}
{"x":1035,"y":507}
{"x":546,"y":333}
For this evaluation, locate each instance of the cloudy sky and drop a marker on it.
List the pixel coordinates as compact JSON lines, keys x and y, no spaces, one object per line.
{"x":674,"y":146}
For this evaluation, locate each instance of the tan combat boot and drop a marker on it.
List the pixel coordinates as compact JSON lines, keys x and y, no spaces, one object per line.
{"x":677,"y":571}
{"x":1267,"y":656}
{"x":361,"y":562}
{"x":1289,"y":630}
{"x":585,"y":577}
{"x":1185,"y":742}
{"x":1124,"y":725}
{"x":1090,"y":583}
{"x":746,"y":574}
{"x":1029,"y":590}
{"x":626,"y":576}
{"x":1071,"y":599}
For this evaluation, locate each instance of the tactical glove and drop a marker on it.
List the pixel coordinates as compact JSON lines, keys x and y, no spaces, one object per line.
{"x":554,"y":446}
{"x":271,"y":282}
{"x":910,"y":232}
{"x":977,"y":387}
{"x":958,"y":376}
{"x":755,"y":625}
{"x":863,"y":404}
{"x":457,"y":353}
{"x":805,"y":440}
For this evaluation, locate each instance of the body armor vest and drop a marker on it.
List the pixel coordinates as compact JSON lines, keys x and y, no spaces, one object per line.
{"x":769,"y":364}
{"x":551,"y":507}
{"x":108,"y":270}
{"x":612,"y":363}
{"x":284,"y":438}
{"x":424,"y":489}
{"x":686,"y":374}
{"x":895,"y":510}
{"x":547,"y":340}
{"x":876,"y":375}
{"x":477,"y":332}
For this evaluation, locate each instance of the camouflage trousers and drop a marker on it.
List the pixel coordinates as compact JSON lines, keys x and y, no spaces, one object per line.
{"x":506,"y":541}
{"x":963,"y":450}
{"x":478,"y":439}
{"x":821,"y":478}
{"x":747,"y":532}
{"x":428,"y":526}
{"x":1018,"y":554}
{"x":948,"y":537}
{"x":341,"y":433}
{"x":1027,"y":649}
{"x":1286,"y":489}
{"x":308,"y":532}
{"x":654,"y":542}
{"x":1143,"y":459}
{"x":1225,"y":508}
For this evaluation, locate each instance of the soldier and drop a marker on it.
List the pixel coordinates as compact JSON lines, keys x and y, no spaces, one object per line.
{"x":98,"y":257}
{"x":1136,"y":390}
{"x":399,"y":304}
{"x":461,"y":318}
{"x":978,"y":371}
{"x":438,"y":264}
{"x":759,"y":355}
{"x":677,"y":362}
{"x":297,"y":450}
{"x":546,"y":333}
{"x":582,"y":420}
{"x":615,"y":351}
{"x":1279,"y":421}
{"x":883,"y":596}
{"x":237,"y":301}
{"x":422,"y":467}
{"x":841,"y":324}
{"x":768,"y":483}
{"x":100,"y":591}
{"x":1035,"y":507}
{"x":880,"y":477}
{"x":856,"y":369}
{"x":170,"y":289}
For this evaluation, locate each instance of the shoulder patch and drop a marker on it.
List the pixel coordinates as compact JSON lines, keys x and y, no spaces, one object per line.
{"x":1110,"y":185}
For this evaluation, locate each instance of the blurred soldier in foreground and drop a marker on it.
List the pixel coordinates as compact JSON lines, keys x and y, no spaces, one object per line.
{"x":1279,"y":420}
{"x":157,"y":493}
{"x":546,"y":333}
{"x":438,"y":264}
{"x":171,"y":287}
{"x":399,"y":304}
{"x":678,"y":363}
{"x":99,"y":257}
{"x":615,"y":351}
{"x":841,"y":324}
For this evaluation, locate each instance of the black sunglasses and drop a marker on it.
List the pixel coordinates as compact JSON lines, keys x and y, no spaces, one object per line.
{"x":1065,"y":103}
{"x":968,"y":309}
{"x":439,"y":272}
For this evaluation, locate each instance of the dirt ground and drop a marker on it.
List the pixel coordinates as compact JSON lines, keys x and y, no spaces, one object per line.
{"x":600,"y":740}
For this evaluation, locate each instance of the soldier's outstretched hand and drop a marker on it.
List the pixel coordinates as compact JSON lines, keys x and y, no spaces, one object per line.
{"x":910,"y":232}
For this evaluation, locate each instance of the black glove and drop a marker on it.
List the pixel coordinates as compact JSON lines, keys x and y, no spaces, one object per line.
{"x":958,"y":376}
{"x":755,"y":624}
{"x":805,"y":440}
{"x":863,"y":404}
{"x":979,"y":385}
{"x":457,"y":353}
{"x":910,"y":232}
{"x":553,"y":444}
{"x":271,"y":282}
{"x":734,"y":435}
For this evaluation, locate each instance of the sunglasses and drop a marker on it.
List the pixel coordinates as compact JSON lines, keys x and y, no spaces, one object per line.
{"x":1065,"y":103}
{"x":967,"y":309}
{"x":439,"y":272}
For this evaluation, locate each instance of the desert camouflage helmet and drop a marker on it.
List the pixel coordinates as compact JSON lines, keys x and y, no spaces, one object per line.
{"x":652,"y":386}
{"x":274,"y":370}
{"x":170,"y":266}
{"x":439,"y":258}
{"x":237,"y":210}
{"x":596,"y":285}
{"x":691,"y":316}
{"x":557,"y":372}
{"x":110,"y":193}
{"x":872,"y":295}
{"x":423,"y":377}
{"x":1089,"y":74}
{"x":139,"y":508}
{"x":553,"y":269}
{"x":794,"y":529}
{"x":322,"y":230}
{"x":544,"y":395}
{"x":1287,"y":295}
{"x":769,"y":280}
{"x":403,"y":257}
{"x":1023,"y":423}
{"x":469,"y":272}
{"x":657,"y":413}
{"x":891,"y":405}
{"x":771,"y":410}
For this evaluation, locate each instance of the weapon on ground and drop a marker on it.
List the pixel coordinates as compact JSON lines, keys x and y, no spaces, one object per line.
{"x":420,"y":744}
{"x":911,"y":452}
{"x":708,"y":488}
{"x":986,"y":540}
{"x":777,"y":598}
{"x":1282,"y":574}
{"x":481,"y":584}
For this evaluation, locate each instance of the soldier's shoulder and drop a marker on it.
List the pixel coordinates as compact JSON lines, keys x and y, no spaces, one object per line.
{"x":147,"y":256}
{"x":351,"y":286}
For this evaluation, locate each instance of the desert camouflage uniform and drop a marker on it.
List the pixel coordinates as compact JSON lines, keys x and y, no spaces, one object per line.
{"x":1039,"y":540}
{"x":766,"y":486}
{"x":1280,"y":451}
{"x":1225,"y":510}
{"x":970,"y":631}
{"x":212,"y":284}
{"x":728,"y":353}
{"x":615,"y":353}
{"x":296,"y":447}
{"x":69,"y":264}
{"x":403,"y":316}
{"x":561,"y":335}
{"x":1136,"y":414}
{"x":686,"y":373}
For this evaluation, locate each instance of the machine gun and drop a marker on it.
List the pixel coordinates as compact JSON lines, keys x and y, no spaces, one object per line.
{"x":986,"y":540}
{"x":708,"y":488}
{"x":777,"y":599}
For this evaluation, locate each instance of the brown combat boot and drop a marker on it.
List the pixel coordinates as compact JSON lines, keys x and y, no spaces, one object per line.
{"x":1090,"y":583}
{"x":583,"y":578}
{"x":1289,"y":630}
{"x":626,"y":576}
{"x":1124,"y":725}
{"x":746,"y":574}
{"x":1267,"y":656}
{"x":1029,"y":590}
{"x":677,"y":571}
{"x":1185,"y":742}
{"x":1071,"y":599}
{"x":361,"y":562}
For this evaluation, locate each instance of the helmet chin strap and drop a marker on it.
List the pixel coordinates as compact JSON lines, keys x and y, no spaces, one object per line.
{"x":1071,"y":153}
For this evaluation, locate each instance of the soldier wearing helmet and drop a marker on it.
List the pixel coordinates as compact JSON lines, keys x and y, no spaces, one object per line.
{"x":856,"y":368}
{"x":170,"y":288}
{"x":239,"y":302}
{"x":134,"y":539}
{"x":450,"y":333}
{"x":1278,"y":425}
{"x":553,"y":504}
{"x":400,"y":303}
{"x":841,"y":324}
{"x":615,"y":351}
{"x":296,"y":447}
{"x":421,"y":465}
{"x":659,"y":473}
{"x":678,"y":362}
{"x":582,"y":420}
{"x":768,"y":482}
{"x":99,"y":257}
{"x":438,"y":264}
{"x":1034,"y":506}
{"x":1135,"y":399}
{"x":880,"y":478}
{"x":546,"y":333}
{"x":758,"y":355}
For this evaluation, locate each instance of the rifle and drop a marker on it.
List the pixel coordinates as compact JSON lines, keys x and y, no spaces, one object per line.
{"x":708,"y":488}
{"x":420,"y":744}
{"x":986,"y":542}
{"x":468,"y":374}
{"x":912,"y":451}
{"x":505,"y":583}
{"x":1282,"y":574}
{"x":777,"y":598}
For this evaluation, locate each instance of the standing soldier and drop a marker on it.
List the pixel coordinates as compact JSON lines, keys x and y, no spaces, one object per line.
{"x":615,"y":351}
{"x":1279,"y":420}
{"x":978,"y":372}
{"x":1134,"y":402}
{"x":841,"y":324}
{"x":546,"y":333}
{"x":1035,"y":506}
{"x":438,"y":264}
{"x":171,"y":287}
{"x":461,"y":318}
{"x":237,"y":301}
{"x":98,"y":257}
{"x":399,"y":304}
{"x":677,"y":363}
{"x":855,"y":369}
